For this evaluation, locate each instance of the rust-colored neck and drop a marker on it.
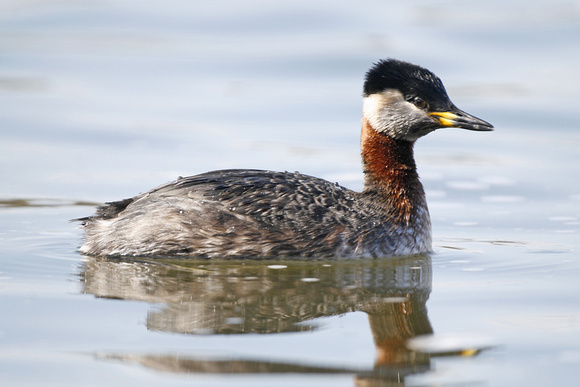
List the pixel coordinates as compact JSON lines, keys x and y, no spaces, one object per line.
{"x":390,"y":172}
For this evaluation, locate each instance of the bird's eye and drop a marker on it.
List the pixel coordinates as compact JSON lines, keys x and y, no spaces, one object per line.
{"x":420,"y":103}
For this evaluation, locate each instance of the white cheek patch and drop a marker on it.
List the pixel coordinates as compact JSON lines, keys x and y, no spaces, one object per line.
{"x":384,"y":110}
{"x":388,"y":112}
{"x":373,"y":110}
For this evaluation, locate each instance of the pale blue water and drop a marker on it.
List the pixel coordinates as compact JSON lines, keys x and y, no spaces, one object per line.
{"x":101,"y":101}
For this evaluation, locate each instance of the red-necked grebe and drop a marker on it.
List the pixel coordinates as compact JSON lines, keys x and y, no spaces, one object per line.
{"x":263,"y":214}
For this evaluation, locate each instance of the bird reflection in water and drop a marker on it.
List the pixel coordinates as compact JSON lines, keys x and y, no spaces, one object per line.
{"x":235,"y":297}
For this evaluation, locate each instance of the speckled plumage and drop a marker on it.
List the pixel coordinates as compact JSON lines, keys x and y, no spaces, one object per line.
{"x":265,"y":214}
{"x":248,"y":213}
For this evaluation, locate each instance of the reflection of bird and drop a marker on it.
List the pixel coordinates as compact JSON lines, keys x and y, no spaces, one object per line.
{"x":252,"y":213}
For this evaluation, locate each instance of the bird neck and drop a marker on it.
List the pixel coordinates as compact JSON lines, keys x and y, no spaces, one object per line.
{"x":390,"y":173}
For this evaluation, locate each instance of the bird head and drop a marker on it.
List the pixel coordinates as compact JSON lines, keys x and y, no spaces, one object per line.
{"x":406,"y":101}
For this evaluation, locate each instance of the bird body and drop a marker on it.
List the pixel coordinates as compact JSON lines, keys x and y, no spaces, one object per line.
{"x":266,"y":214}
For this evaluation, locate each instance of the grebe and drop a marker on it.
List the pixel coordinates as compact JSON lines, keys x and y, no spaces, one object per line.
{"x":264,"y":214}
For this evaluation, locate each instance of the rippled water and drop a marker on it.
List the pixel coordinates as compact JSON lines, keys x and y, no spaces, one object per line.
{"x":100,"y":101}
